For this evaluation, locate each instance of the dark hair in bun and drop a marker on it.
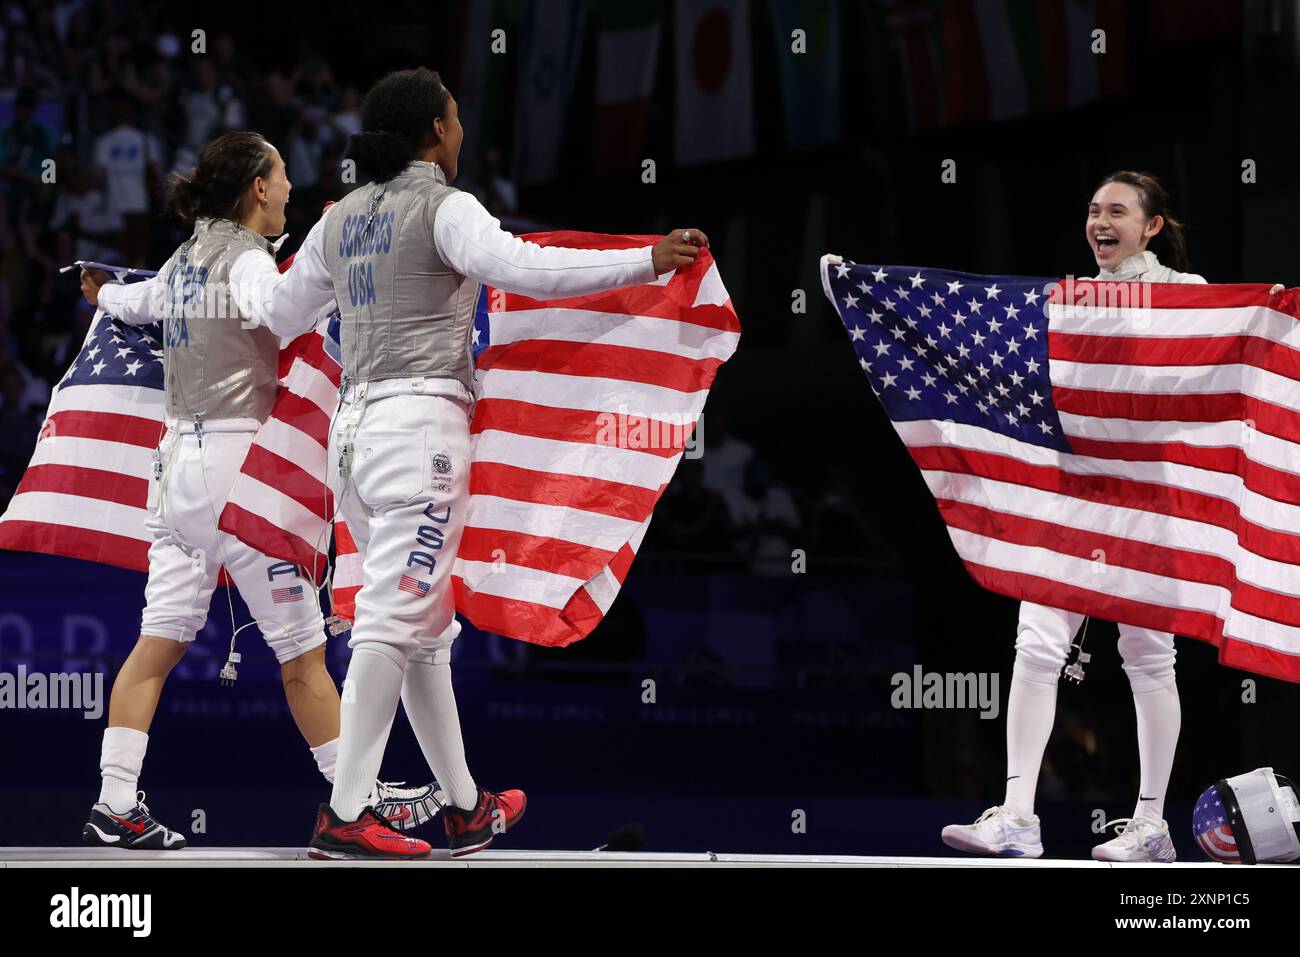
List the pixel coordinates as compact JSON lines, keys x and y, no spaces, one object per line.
{"x":217,"y":186}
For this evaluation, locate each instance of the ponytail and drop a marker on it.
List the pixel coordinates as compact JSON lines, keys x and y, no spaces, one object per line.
{"x":217,"y":186}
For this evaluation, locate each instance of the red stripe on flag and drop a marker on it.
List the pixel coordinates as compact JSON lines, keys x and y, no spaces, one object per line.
{"x":105,"y":426}
{"x":1170,"y":407}
{"x":1182,"y":351}
{"x":581,"y":613}
{"x":1121,"y":492}
{"x":553,"y":555}
{"x":555,"y":488}
{"x":309,"y":349}
{"x":578,"y":425}
{"x":525,"y":620}
{"x":1165,"y":295}
{"x":86,"y":483}
{"x":1259,"y":478}
{"x":271,"y":540}
{"x":1119,"y":552}
{"x":70,"y":542}
{"x":1193,"y":624}
{"x":289,"y":479}
{"x":622,"y":563}
{"x":602,"y":361}
{"x":304,"y":415}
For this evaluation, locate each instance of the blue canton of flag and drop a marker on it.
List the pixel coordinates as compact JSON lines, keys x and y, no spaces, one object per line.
{"x":331,"y":344}
{"x":945,"y":345}
{"x":115,"y":353}
{"x":479,"y":342}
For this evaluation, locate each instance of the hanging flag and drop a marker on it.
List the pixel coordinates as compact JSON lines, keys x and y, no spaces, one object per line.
{"x":1120,"y":450}
{"x":713,"y":116}
{"x":810,"y":80}
{"x":627,"y":58}
{"x":970,"y":62}
{"x":550,"y":39}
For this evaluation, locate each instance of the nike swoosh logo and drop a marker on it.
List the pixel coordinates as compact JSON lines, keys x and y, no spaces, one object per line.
{"x":403,"y":813}
{"x":134,"y":828}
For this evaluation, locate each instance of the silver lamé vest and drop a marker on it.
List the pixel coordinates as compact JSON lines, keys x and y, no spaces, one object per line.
{"x":213,"y":366}
{"x":404,"y":312}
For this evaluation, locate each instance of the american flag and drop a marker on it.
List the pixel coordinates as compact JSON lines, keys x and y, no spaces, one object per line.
{"x":1213,"y":830}
{"x":291,"y":593}
{"x":413,"y":585}
{"x":1129,"y":458}
{"x":85,"y":490}
{"x":557,"y":510}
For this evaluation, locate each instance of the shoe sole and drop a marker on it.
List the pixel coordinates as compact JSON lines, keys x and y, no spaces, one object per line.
{"x":1130,"y":860}
{"x":322,"y":855}
{"x":960,"y":841}
{"x":92,"y":835}
{"x":474,"y":848}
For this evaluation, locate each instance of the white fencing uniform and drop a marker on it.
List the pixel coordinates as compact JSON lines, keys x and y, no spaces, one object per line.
{"x":188,"y":551}
{"x":1045,"y":634}
{"x":404,"y":259}
{"x":221,"y":369}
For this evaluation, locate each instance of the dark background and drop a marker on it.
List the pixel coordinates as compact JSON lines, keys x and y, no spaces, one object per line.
{"x":772,"y":687}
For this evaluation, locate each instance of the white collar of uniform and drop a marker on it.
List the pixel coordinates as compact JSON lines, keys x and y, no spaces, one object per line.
{"x":432,"y":169}
{"x":1136,"y":265}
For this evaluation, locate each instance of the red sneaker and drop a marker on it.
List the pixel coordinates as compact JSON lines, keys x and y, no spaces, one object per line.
{"x":369,"y":838}
{"x":472,"y":830}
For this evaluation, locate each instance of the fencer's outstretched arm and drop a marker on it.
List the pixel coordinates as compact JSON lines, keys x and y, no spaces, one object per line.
{"x":288,"y":303}
{"x":136,"y":303}
{"x":471,"y":241}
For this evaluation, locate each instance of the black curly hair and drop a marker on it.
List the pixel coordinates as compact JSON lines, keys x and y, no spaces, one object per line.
{"x":396,"y":121}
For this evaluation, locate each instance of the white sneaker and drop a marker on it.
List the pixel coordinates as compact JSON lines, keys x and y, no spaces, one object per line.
{"x":1138,"y":839}
{"x":407,"y":808}
{"x":998,"y":831}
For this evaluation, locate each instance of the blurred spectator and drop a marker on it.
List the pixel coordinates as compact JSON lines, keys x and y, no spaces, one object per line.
{"x":768,"y":522}
{"x":725,"y":460}
{"x":691,"y":515}
{"x":84,"y":210}
{"x":128,"y":160}
{"x":840,"y":528}
{"x":211,"y":107}
{"x":24,"y":146}
{"x":18,"y":428}
{"x":347,"y":120}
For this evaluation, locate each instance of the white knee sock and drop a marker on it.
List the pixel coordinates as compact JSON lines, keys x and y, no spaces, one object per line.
{"x":430,"y":705}
{"x":326,"y":756}
{"x":120,"y":759}
{"x":1031,"y":711}
{"x":1159,"y":718}
{"x":369,"y":702}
